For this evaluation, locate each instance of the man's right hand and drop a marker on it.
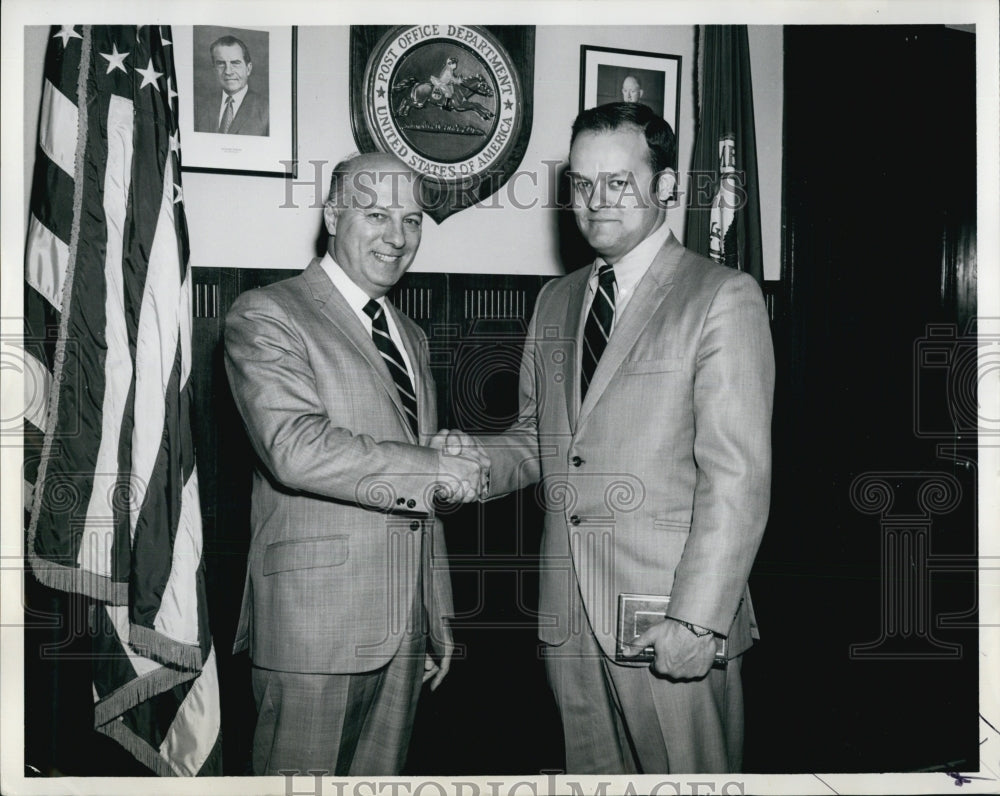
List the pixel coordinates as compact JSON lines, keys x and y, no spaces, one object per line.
{"x":460,"y":478}
{"x":459,"y":444}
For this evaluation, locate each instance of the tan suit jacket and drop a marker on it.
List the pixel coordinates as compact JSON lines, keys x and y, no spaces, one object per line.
{"x":659,"y":483}
{"x":342,"y":532}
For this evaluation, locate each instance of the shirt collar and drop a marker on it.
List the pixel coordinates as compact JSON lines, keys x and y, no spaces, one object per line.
{"x":237,"y":97}
{"x":630,"y":268}
{"x":355,"y":296}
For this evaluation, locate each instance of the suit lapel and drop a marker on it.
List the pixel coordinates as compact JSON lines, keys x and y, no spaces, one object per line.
{"x":649,"y":294}
{"x":335,"y":307}
{"x":241,"y":114}
{"x":573,"y":330}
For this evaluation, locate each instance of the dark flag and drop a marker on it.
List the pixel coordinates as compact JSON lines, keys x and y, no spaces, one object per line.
{"x":110,"y":477}
{"x":724,"y":165}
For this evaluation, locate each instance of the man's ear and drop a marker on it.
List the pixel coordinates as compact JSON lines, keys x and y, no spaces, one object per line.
{"x":249,"y":68}
{"x":330,"y":216}
{"x":666,"y":184}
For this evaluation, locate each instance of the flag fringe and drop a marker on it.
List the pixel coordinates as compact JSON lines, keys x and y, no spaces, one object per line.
{"x":153,"y":645}
{"x":112,"y":706}
{"x":138,"y":748}
{"x":75,"y":579}
{"x":64,"y":310}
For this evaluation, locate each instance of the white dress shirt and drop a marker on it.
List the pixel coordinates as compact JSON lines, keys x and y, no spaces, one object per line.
{"x":629,"y":270}
{"x":357,"y":299}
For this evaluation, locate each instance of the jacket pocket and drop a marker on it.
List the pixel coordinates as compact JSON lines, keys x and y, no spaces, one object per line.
{"x":319,"y":551}
{"x":672,"y":525}
{"x":637,"y":366}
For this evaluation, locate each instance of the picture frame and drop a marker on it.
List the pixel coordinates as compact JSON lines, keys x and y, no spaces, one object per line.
{"x":655,"y":76}
{"x":260,"y":136}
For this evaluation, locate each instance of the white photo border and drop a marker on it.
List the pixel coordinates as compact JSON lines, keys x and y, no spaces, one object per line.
{"x":271,"y":155}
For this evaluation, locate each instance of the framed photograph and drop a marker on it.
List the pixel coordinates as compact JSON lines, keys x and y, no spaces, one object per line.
{"x":610,"y":75}
{"x":236,"y":88}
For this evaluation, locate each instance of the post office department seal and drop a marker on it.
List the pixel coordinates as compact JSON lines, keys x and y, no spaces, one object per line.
{"x":447,"y":100}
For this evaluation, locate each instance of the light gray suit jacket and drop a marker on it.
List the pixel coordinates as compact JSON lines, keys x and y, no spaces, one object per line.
{"x":342,"y":532}
{"x":659,"y":483}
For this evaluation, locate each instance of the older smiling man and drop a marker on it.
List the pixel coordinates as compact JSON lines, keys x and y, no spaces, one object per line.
{"x":334,"y":387}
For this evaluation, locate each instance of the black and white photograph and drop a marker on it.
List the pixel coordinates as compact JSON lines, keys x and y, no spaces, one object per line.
{"x":608,"y":75}
{"x":226,"y":100}
{"x":566,"y":399}
{"x":236,"y":86}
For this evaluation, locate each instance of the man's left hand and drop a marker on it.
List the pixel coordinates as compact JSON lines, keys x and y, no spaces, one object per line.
{"x":679,"y":653}
{"x":436,"y":669}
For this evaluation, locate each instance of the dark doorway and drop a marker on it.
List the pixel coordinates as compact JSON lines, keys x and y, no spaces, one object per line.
{"x":865,"y":585}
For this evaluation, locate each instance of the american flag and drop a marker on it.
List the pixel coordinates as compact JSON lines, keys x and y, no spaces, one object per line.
{"x":110,"y":476}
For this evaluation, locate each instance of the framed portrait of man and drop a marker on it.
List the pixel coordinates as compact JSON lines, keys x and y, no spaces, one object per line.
{"x":237,"y":93}
{"x":613,"y":75}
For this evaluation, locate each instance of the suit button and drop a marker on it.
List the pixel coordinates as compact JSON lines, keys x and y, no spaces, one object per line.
{"x":414,"y":526}
{"x":574,"y":520}
{"x":400,"y":501}
{"x":411,"y":503}
{"x":576,"y":461}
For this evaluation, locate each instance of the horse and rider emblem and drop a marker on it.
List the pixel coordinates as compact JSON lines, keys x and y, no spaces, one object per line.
{"x":448,"y":101}
{"x":449,"y":90}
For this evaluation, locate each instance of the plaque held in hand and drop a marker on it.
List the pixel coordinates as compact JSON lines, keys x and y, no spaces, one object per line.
{"x":639,"y":612}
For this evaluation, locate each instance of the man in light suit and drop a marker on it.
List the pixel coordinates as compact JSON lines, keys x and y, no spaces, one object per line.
{"x":238,"y":110}
{"x":645,"y":411}
{"x":335,"y":390}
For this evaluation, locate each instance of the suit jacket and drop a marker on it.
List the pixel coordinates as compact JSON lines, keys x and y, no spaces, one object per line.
{"x":341,"y":535}
{"x":659,"y":483}
{"x":251,"y":119}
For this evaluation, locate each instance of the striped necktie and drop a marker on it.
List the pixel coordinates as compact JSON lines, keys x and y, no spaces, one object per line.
{"x":393,"y":360}
{"x":598,"y":328}
{"x":227,"y":116}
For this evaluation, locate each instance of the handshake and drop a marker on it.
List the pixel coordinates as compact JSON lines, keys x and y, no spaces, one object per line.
{"x":464,"y":470}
